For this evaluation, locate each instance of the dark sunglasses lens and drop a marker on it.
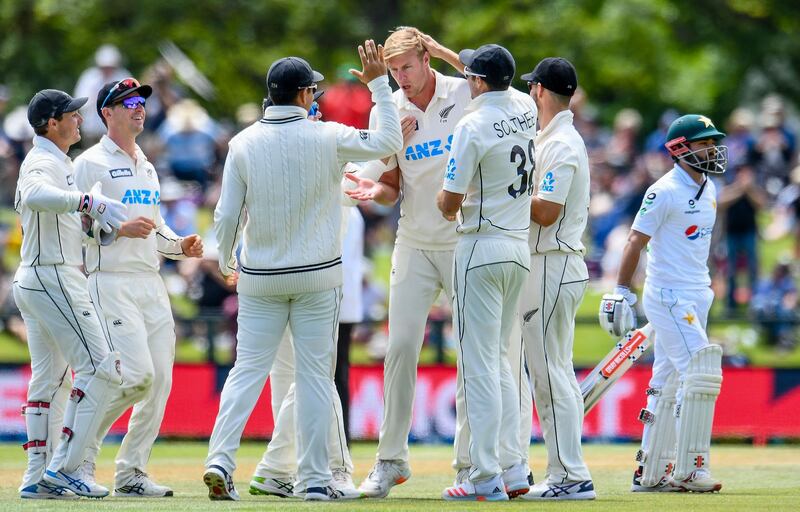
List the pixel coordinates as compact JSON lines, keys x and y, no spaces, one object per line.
{"x":133,"y":102}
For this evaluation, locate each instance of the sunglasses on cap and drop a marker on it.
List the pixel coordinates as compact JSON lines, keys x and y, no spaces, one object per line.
{"x":469,"y":72}
{"x":313,"y":87}
{"x":128,"y":83}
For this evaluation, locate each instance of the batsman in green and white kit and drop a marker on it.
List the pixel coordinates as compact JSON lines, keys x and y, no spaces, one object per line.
{"x":675,"y":222}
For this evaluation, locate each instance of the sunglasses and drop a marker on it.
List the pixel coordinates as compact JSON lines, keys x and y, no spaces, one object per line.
{"x":133,"y":102}
{"x":128,"y":83}
{"x":531,"y":85}
{"x":313,"y":87}
{"x":469,"y":72}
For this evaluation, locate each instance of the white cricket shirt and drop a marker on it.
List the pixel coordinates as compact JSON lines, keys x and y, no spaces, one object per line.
{"x":679,"y":225}
{"x":561,"y":176}
{"x":47,"y":202}
{"x":134,"y":184}
{"x":492,"y":161}
{"x":422,"y":162}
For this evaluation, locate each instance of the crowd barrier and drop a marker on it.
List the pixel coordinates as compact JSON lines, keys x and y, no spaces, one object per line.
{"x":757,"y":404}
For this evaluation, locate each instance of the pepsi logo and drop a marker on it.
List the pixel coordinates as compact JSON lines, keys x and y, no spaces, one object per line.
{"x":692,"y":232}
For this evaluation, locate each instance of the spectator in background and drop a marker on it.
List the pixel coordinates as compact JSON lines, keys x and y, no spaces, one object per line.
{"x":623,"y":148}
{"x":107,"y":68}
{"x":190,"y":138}
{"x":657,"y":138}
{"x":166,"y":93}
{"x":178,"y":210}
{"x":775,"y":146}
{"x":740,"y":140}
{"x":774,"y":305}
{"x":740,"y":202}
{"x":347,"y":101}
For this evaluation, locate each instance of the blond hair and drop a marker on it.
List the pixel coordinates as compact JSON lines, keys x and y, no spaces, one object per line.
{"x":401,"y":40}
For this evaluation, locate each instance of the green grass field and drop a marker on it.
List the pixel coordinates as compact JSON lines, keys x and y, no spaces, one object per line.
{"x":755,"y":478}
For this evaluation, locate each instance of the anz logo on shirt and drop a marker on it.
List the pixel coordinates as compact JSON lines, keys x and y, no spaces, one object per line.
{"x":141,"y":196}
{"x":693,"y":232}
{"x":428,"y":149}
{"x":450,"y":173}
{"x":548,"y":183}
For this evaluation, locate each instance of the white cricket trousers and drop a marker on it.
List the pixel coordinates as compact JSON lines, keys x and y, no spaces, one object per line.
{"x":312,"y":318}
{"x":548,"y":305}
{"x":280,"y":458}
{"x":63,"y":332}
{"x":679,"y":318}
{"x":488,"y":277}
{"x":138,"y":317}
{"x":418,"y":276}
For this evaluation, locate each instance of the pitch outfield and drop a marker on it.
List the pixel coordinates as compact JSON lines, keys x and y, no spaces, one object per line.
{"x":755,"y":479}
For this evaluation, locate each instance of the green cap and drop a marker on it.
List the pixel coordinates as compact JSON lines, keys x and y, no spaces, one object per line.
{"x":692,"y":127}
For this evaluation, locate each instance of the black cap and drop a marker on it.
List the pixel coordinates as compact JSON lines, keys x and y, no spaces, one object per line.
{"x":51,"y":103}
{"x":491,"y":62}
{"x":555,"y":74}
{"x":114,"y":92}
{"x":291,"y":74}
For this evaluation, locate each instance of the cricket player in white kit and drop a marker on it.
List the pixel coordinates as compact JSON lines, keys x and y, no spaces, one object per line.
{"x":676,"y":221}
{"x":487,"y":182}
{"x":63,"y":324}
{"x":286,"y":172}
{"x":430,"y":106}
{"x":124,"y":281}
{"x":275,"y":474}
{"x":558,"y":279}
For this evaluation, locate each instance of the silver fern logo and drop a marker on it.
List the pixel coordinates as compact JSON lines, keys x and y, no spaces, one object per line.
{"x":445,"y":112}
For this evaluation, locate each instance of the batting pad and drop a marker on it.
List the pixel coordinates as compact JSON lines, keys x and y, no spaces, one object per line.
{"x":701,"y":386}
{"x":658,"y":441}
{"x":85,"y":411}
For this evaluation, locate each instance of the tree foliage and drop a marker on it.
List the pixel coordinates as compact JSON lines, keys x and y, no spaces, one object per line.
{"x":705,"y":56}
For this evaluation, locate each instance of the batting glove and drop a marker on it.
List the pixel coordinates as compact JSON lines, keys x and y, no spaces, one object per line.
{"x":616,"y":314}
{"x":109,"y":213}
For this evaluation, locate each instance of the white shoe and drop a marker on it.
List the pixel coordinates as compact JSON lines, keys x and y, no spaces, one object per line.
{"x":87,"y":469}
{"x":461,"y":477}
{"x":491,"y":490}
{"x":277,"y":485}
{"x":384,"y":475}
{"x":569,"y":491}
{"x":47,"y":491}
{"x":699,"y":480}
{"x":662,"y":486}
{"x":220,"y":484}
{"x":139,"y":485}
{"x":326,"y":493}
{"x":76,"y":483}
{"x":516,"y":480}
{"x":342,"y":481}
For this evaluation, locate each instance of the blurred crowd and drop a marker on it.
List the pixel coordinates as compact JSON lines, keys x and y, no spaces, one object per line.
{"x":759,"y":199}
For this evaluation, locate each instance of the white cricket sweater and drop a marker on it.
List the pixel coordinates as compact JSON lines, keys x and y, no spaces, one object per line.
{"x":47,"y":201}
{"x":281,"y":192}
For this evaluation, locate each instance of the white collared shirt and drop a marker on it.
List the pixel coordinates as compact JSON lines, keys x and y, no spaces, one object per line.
{"x":492,"y":161}
{"x":422,"y":162}
{"x":134,"y":184}
{"x":679,"y":225}
{"x":47,"y":201}
{"x":562,"y":176}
